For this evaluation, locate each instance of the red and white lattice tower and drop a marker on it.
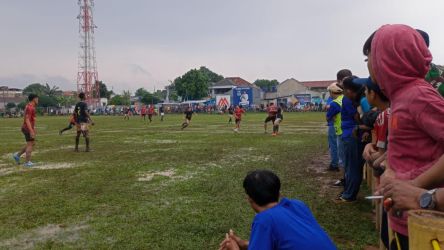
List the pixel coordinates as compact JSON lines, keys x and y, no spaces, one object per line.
{"x":87,"y":77}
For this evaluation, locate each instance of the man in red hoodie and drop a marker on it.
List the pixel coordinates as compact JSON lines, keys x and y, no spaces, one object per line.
{"x":398,"y":62}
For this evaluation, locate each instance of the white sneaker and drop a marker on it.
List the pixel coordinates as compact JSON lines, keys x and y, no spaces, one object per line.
{"x":29,"y":164}
{"x":16,"y":158}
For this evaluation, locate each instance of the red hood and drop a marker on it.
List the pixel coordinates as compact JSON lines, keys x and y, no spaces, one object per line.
{"x":400,"y":58}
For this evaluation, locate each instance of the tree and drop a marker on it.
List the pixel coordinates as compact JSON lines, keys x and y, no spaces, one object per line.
{"x":47,"y":101}
{"x":65,"y":101}
{"x":47,"y":94}
{"x":160,"y":94}
{"x":35,"y":88}
{"x":50,"y":91}
{"x":149,"y":99}
{"x":266,"y":85}
{"x":172,"y":92}
{"x":212,"y":77}
{"x":141,"y":92}
{"x":193,"y":85}
{"x":116,"y":100}
{"x":103,"y":90}
{"x":10,"y":105}
{"x":22,"y":105}
{"x":126,"y":97}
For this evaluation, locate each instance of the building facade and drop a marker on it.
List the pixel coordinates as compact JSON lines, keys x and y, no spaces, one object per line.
{"x":236,"y":91}
{"x":292,"y":91}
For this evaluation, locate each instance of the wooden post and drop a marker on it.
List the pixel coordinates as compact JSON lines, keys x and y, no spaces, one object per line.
{"x":424,"y":227}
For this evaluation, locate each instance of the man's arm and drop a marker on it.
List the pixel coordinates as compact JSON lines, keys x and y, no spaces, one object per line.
{"x":405,"y":196}
{"x":431,"y":121}
{"x":333,"y":110}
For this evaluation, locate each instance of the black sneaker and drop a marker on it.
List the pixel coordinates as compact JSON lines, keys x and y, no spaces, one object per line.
{"x":342,"y":200}
{"x":333,"y":169}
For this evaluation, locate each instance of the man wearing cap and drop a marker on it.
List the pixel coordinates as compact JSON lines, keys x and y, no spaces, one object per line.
{"x":334,"y":126}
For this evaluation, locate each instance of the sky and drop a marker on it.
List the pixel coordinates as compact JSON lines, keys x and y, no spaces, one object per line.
{"x":147,"y":43}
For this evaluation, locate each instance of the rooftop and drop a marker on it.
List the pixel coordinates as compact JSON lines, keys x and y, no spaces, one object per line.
{"x":318,"y":84}
{"x":234,"y":81}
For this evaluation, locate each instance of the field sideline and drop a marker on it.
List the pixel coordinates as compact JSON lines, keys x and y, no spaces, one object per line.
{"x":157,"y":187}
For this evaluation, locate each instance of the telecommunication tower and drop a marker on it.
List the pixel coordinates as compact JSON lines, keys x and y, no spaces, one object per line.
{"x":87,"y":76}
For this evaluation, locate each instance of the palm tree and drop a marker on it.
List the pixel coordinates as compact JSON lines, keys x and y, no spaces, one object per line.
{"x":50,"y":91}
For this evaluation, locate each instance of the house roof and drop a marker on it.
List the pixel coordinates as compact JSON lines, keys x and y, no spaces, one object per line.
{"x":317,"y":84}
{"x":69,"y":93}
{"x":6,"y":88}
{"x":15,"y":100}
{"x":235,"y":81}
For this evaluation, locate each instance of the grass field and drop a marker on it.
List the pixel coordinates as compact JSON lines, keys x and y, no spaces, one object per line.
{"x":157,"y":187}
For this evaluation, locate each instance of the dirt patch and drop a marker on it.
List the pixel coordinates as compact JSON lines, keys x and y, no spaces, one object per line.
{"x":318,"y":166}
{"x":47,"y":166}
{"x":149,"y":176}
{"x":30,"y":239}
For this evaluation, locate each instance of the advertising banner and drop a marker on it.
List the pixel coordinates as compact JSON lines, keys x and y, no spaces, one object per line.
{"x":243,"y":97}
{"x":303,"y":98}
{"x":223,"y":100}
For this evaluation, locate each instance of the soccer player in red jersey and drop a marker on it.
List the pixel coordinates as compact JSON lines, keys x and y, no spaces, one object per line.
{"x":150,"y":113}
{"x":143,"y":112}
{"x":272,"y":111}
{"x":28,"y":129}
{"x":238,"y":111}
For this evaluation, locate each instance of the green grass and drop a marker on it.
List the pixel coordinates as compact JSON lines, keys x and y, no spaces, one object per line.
{"x":96,"y":200}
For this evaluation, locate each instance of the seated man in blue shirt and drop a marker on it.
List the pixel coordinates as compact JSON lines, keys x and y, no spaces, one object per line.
{"x":285,"y":224}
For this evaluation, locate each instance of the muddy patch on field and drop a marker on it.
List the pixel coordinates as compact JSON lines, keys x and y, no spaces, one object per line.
{"x":58,"y":233}
{"x":318,"y":167}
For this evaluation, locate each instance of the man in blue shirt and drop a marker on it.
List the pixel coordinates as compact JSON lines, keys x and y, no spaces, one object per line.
{"x":333,"y":117}
{"x":353,"y":147}
{"x":281,"y":225}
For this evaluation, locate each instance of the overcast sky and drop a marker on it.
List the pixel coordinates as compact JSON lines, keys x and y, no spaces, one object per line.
{"x":145,"y":43}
